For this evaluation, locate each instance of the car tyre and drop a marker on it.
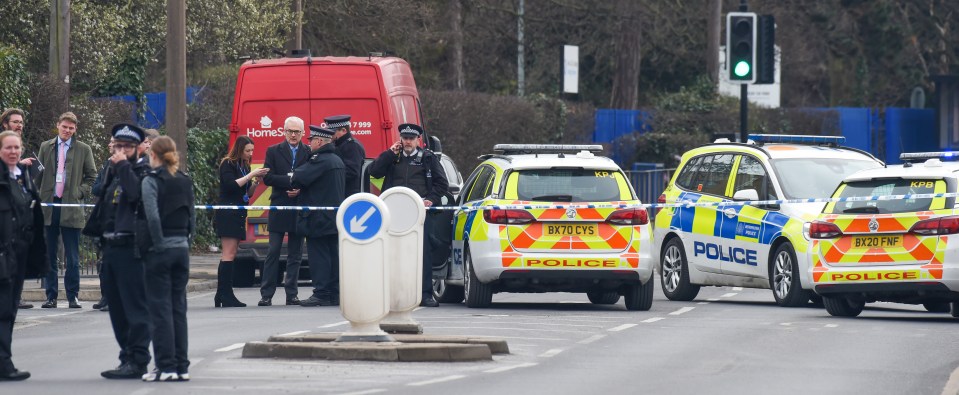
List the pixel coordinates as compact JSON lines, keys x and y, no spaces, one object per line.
{"x":674,"y":273}
{"x":639,"y":297}
{"x":446,"y":293}
{"x":843,"y":306}
{"x":784,"y":277}
{"x":603,"y":297}
{"x":937,"y":307}
{"x":476,"y":293}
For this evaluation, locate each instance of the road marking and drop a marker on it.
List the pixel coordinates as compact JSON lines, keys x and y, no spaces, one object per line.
{"x":737,"y":288}
{"x":832,"y":325}
{"x":682,"y":310}
{"x":785,"y":323}
{"x":551,"y":353}
{"x":654,"y":319}
{"x":142,"y":391}
{"x":621,"y":327}
{"x":230,"y":347}
{"x":201,"y":295}
{"x":372,"y":391}
{"x":294,"y":333}
{"x":573,"y":302}
{"x":334,"y":324}
{"x":506,"y":368}
{"x":729,"y":295}
{"x":591,"y":339}
{"x":713,"y":299}
{"x":703,"y":303}
{"x":439,"y":380}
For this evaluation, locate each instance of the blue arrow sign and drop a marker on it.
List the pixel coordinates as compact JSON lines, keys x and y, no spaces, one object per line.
{"x":362,"y":220}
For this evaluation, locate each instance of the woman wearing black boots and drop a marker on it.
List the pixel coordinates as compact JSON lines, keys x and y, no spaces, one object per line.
{"x":237,"y":183}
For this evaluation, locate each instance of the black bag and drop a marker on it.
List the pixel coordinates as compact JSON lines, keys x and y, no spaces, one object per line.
{"x":94,"y":226}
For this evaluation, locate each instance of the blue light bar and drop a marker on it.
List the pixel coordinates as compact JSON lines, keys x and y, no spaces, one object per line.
{"x":513,"y":149}
{"x":797,"y":139}
{"x":921,"y":156}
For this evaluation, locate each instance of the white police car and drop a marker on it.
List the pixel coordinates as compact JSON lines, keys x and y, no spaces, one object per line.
{"x":754,"y":246}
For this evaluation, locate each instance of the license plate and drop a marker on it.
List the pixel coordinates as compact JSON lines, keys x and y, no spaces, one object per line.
{"x":260,"y":230}
{"x":876,"y":241}
{"x":570,"y":229}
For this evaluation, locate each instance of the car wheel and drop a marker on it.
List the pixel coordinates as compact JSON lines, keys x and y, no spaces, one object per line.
{"x":843,"y":306}
{"x":937,"y":307}
{"x":674,"y":272}
{"x":784,"y":278}
{"x":639,"y":297}
{"x":446,"y":293}
{"x":477,"y":294}
{"x":603,"y":297}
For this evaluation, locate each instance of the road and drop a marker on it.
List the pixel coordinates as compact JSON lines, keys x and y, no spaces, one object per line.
{"x":728,"y":341}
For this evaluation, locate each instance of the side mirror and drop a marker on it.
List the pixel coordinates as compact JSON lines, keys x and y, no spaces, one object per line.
{"x":454,"y":189}
{"x":434,"y":144}
{"x":746,"y":195}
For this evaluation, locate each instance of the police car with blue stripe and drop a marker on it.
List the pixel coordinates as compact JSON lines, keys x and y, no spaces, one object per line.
{"x":709,"y":242}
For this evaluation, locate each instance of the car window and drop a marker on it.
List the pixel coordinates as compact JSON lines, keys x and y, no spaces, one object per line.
{"x":686,"y":175}
{"x":893,"y":186}
{"x":479,"y":188}
{"x":713,"y":174}
{"x":452,"y":174}
{"x":567,"y":185}
{"x":808,"y":178}
{"x":752,"y":175}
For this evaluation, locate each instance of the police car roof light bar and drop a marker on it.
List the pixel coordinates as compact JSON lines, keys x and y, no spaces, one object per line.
{"x":515,"y":149}
{"x":922,"y":156}
{"x":797,"y":139}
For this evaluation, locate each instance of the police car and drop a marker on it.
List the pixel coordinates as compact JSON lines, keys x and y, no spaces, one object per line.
{"x":603,"y":252}
{"x":755,"y":245}
{"x":895,"y":250}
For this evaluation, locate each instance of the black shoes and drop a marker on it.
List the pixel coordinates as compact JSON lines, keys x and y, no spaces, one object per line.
{"x":265,"y":302}
{"x":125,"y":371}
{"x":429,"y":301}
{"x":292,"y":301}
{"x":74,"y":303}
{"x":23,"y":306}
{"x":99,"y":305}
{"x":50,"y":304}
{"x":15,"y":375}
{"x":323,"y":300}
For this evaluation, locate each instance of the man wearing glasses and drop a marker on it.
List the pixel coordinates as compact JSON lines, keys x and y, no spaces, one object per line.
{"x":281,"y":159}
{"x":13,"y":119}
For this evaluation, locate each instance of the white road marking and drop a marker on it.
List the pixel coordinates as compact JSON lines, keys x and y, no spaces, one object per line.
{"x":703,"y":303}
{"x":142,"y":391}
{"x":832,"y":325}
{"x":621,"y":327}
{"x":713,"y":299}
{"x":591,"y":339}
{"x":372,"y":391}
{"x":201,"y":295}
{"x":729,"y":295}
{"x":654,"y":319}
{"x":785,"y":323}
{"x":334,"y":324}
{"x":439,"y":380}
{"x":737,"y":288}
{"x":230,"y":347}
{"x":551,"y":353}
{"x":506,"y":368}
{"x":573,"y":302}
{"x":294,"y":333}
{"x":682,"y":310}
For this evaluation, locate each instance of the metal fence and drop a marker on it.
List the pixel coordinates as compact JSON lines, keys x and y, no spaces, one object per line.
{"x":649,"y":184}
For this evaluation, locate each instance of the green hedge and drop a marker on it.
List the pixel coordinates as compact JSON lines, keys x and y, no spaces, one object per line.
{"x":14,"y":80}
{"x":206,"y":147}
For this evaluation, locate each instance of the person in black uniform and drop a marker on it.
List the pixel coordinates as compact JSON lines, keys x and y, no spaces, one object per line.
{"x":406,"y":164}
{"x":237,"y":183}
{"x":123,"y":273}
{"x":97,"y":190}
{"x":169,"y":219}
{"x":281,"y":159}
{"x":349,"y":149}
{"x":322,"y":180}
{"x":23,"y":251}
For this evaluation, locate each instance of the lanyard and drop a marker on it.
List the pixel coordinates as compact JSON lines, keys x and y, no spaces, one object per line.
{"x":246,"y":191}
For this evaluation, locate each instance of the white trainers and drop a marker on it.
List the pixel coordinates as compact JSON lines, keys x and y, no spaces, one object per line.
{"x":157,"y":375}
{"x":183,"y":377}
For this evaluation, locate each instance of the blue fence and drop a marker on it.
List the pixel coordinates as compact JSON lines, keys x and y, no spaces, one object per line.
{"x":154,"y":108}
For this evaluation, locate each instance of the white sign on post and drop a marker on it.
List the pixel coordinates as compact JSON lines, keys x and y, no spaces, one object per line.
{"x":362,"y":220}
{"x":407,"y":214}
{"x":570,"y":69}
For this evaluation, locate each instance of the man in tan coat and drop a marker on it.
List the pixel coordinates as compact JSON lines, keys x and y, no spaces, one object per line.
{"x":68,"y":175}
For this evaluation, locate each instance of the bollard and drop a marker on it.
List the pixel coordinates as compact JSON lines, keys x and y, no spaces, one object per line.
{"x":405,"y":262}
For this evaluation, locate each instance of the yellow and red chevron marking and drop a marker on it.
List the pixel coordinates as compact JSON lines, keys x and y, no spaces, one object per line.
{"x":914,"y":248}
{"x":531,"y":236}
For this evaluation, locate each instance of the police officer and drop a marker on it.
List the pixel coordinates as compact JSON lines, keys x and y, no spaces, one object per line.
{"x":163,"y":238}
{"x":349,"y":149}
{"x":406,"y":164}
{"x":321,"y":182}
{"x":123,"y":271}
{"x":23,"y":251}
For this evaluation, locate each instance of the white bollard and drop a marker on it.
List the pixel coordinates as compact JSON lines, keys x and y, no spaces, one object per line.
{"x":407,"y":214}
{"x":362,"y":220}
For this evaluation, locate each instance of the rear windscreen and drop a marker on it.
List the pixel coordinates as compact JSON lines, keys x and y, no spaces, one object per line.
{"x":885,"y":187}
{"x":568,"y":185}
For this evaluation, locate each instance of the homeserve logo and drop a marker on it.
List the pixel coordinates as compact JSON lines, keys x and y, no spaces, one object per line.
{"x":265,"y":130}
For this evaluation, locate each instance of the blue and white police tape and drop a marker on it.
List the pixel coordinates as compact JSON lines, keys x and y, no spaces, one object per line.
{"x":685,"y":203}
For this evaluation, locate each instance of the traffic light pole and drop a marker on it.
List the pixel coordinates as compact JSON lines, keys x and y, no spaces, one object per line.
{"x":743,"y":91}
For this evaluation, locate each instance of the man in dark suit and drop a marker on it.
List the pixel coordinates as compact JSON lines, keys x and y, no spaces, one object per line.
{"x":281,"y":159}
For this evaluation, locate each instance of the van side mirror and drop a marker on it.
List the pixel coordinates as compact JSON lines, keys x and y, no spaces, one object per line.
{"x":454,"y":189}
{"x":434,"y":144}
{"x":746,"y":195}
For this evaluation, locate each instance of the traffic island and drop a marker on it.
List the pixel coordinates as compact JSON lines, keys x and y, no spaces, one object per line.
{"x":369,"y":351}
{"x":496,"y":346}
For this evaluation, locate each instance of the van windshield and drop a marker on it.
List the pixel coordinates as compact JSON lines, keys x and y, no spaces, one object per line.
{"x":884,"y":187}
{"x":810,"y":178}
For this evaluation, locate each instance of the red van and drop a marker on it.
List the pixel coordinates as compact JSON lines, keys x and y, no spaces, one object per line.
{"x":378,"y":92}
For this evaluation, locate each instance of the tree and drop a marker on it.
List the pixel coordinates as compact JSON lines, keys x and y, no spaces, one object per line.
{"x":625,"y":92}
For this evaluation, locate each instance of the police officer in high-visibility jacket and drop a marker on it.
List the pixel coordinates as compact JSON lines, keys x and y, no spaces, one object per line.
{"x":322,"y":183}
{"x":406,"y":164}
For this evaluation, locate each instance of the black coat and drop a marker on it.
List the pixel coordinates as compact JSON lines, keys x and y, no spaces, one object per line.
{"x":23,"y":250}
{"x":232,"y":223}
{"x":353,"y":154}
{"x":437,"y":184}
{"x":322,"y":182}
{"x":279,"y":159}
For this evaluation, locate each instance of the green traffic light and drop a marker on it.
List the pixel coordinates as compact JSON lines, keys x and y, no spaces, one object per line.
{"x":741,"y":69}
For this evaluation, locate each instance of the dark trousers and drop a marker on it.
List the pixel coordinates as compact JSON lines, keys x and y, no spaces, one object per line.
{"x":427,"y":254}
{"x":9,"y":296}
{"x":323,"y":254}
{"x":71,"y":251}
{"x":124,"y":286}
{"x":167,"y":273}
{"x":271,"y":267}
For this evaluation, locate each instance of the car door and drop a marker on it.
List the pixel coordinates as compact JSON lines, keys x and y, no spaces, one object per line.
{"x":748,"y":251}
{"x":478,"y":187}
{"x":702,"y":224}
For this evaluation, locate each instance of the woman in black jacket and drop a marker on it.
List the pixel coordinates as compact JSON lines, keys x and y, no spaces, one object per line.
{"x":22,"y":247}
{"x":237,"y":183}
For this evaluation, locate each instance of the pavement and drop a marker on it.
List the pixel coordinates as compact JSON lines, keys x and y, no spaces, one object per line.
{"x":202,"y":278}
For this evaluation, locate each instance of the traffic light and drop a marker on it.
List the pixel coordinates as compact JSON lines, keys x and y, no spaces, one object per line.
{"x":741,"y":47}
{"x":766,"y":50}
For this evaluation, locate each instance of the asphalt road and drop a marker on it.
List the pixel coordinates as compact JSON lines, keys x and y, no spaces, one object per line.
{"x":728,"y":341}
